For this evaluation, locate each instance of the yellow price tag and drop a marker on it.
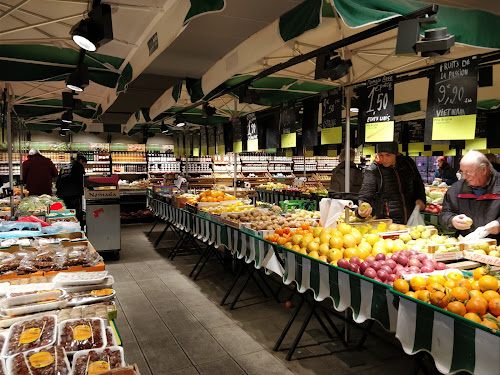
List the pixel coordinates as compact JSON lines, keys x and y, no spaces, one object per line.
{"x":476,"y":144}
{"x":82,"y":332}
{"x":29,"y":335}
{"x":253,"y":144}
{"x":289,"y":140}
{"x":331,"y":136}
{"x":453,"y":128}
{"x":204,"y":150}
{"x":379,"y":131}
{"x":97,"y":367}
{"x":101,"y":292}
{"x":238,"y":146}
{"x":41,"y":359}
{"x":196,"y":151}
{"x":221,"y":150}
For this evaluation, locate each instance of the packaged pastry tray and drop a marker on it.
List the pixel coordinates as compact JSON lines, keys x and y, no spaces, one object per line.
{"x":95,"y":361}
{"x":77,"y":334}
{"x":25,"y":298}
{"x":30,"y":334}
{"x":110,"y":337}
{"x":79,"y":278}
{"x":34,"y":308}
{"x":51,"y":360}
{"x":93,"y":296}
{"x":107,"y":283}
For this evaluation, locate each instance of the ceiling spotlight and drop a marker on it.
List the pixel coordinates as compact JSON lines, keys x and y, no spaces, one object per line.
{"x":247,"y":96}
{"x":95,"y":31}
{"x":67,"y":116}
{"x":78,"y":79}
{"x":436,"y":42}
{"x":69,"y":101}
{"x":179,"y":121}
{"x":63,"y":133}
{"x":207,"y":110}
{"x":333,"y":68}
{"x":354,"y":105}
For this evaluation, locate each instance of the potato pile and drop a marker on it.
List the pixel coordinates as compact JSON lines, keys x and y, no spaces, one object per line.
{"x":267,"y":220}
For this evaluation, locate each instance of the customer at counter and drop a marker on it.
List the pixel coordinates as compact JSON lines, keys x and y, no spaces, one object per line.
{"x":337,"y":183}
{"x":445,"y":172}
{"x":70,"y":184}
{"x":474,"y":201}
{"x":38,"y":172}
{"x":392,"y":186}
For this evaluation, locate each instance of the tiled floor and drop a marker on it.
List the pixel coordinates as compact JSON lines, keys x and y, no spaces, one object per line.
{"x":170,"y":324}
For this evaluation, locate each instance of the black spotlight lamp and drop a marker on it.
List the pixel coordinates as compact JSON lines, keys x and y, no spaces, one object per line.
{"x":67,"y":116}
{"x":248,"y":96}
{"x":179,"y":121}
{"x":163,"y":127}
{"x":207,"y":110}
{"x":331,"y":66}
{"x":79,"y":78}
{"x":63,"y":133}
{"x":95,"y":31}
{"x":436,"y":42}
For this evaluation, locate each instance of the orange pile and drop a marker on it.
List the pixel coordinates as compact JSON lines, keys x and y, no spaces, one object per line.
{"x":214,"y":196}
{"x":476,"y":298}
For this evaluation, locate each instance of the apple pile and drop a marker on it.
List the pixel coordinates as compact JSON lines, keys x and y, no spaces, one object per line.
{"x":433,"y":209}
{"x":387,"y":269}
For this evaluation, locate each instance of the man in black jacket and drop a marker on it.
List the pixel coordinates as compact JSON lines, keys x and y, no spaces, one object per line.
{"x":392,"y":185}
{"x":70,"y":185}
{"x":475,"y":201}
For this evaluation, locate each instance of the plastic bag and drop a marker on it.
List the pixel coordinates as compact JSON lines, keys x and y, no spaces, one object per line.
{"x":415,"y":218}
{"x":33,"y":219}
{"x":475,"y":236}
{"x":7,"y":226}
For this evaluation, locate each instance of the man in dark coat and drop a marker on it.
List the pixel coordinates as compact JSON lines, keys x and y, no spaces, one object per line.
{"x":392,"y":185}
{"x":337,"y":183}
{"x":474,"y":201}
{"x":38,"y":172}
{"x":70,"y":185}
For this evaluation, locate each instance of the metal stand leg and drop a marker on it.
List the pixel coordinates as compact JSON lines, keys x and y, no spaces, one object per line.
{"x":335,"y":329}
{"x":158,"y":240}
{"x":154,"y":225}
{"x":241,"y":290}
{"x":366,"y":332}
{"x":240,"y":272}
{"x":299,"y":336}
{"x":327,"y":331}
{"x":205,"y":253}
{"x":275,"y":295}
{"x":289,"y":325}
{"x":177,"y":246}
{"x":211,"y":250}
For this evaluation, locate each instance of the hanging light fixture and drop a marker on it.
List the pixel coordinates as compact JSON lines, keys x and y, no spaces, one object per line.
{"x":63,"y":133}
{"x":207,"y":110}
{"x":79,"y":79}
{"x":179,"y":121}
{"x":331,"y":66}
{"x":95,"y":31}
{"x":67,"y":116}
{"x":163,"y":127}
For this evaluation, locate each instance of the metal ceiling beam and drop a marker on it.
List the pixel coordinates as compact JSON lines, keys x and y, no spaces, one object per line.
{"x":10,"y":31}
{"x":13,"y":9}
{"x":374,"y":31}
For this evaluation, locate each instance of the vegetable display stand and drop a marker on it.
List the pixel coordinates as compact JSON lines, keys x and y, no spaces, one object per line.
{"x":455,"y":343}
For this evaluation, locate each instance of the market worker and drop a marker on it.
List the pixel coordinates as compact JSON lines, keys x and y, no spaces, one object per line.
{"x":70,"y":184}
{"x":475,"y":201}
{"x":445,"y":172}
{"x":392,"y":185}
{"x":38,"y":172}
{"x":337,"y":183}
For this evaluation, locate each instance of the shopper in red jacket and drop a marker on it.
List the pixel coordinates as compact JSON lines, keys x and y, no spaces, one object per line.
{"x":38,"y":172}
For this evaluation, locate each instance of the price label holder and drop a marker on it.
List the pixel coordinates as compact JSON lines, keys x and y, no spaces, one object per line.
{"x":453,"y":91}
{"x":331,"y":136}
{"x":252,"y":133}
{"x":289,"y":140}
{"x":379,"y":114}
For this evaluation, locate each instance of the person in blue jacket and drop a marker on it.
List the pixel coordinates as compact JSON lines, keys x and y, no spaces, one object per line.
{"x":445,"y":172}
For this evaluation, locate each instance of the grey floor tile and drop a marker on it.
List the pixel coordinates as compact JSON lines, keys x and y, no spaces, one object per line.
{"x":223,"y":367}
{"x":235,"y":340}
{"x":200,"y":346}
{"x":133,"y":355}
{"x":140,"y":271}
{"x":210,"y":316}
{"x":179,"y":319}
{"x":125,"y":330}
{"x":192,"y":297}
{"x":262,"y":363}
{"x":184,"y":371}
{"x":163,"y":355}
{"x":146,"y":327}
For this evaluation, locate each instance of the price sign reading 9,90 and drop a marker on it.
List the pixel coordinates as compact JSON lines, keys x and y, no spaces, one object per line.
{"x":455,"y":87}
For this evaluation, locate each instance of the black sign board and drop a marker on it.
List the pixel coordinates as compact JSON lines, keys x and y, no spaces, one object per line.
{"x":331,"y":108}
{"x":310,"y":122}
{"x":219,"y":132}
{"x":211,"y":136}
{"x":415,"y":130}
{"x":203,"y":136}
{"x":181,"y":143}
{"x":398,"y":132}
{"x":481,"y":125}
{"x":379,"y":99}
{"x":252,"y":132}
{"x":455,"y":88}
{"x":237,"y":134}
{"x":176,"y":143}
{"x":189,"y":143}
{"x":288,"y":117}
{"x":196,"y":139}
{"x":228,"y":136}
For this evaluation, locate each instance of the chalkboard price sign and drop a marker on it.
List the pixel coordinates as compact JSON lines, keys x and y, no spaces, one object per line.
{"x":219,"y":134}
{"x":288,"y":118}
{"x":455,"y":87}
{"x":237,"y":136}
{"x":331,"y":108}
{"x":252,"y":127}
{"x":380,"y":99}
{"x":416,"y":130}
{"x":211,"y":136}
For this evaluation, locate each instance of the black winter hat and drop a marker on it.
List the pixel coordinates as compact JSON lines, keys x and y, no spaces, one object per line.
{"x":389,"y":147}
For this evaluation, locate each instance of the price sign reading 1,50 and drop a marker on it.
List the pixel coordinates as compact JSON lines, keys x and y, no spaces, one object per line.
{"x":381,"y":102}
{"x":451,"y":93}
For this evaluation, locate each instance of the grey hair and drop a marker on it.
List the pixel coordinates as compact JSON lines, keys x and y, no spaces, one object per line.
{"x":479,"y":159}
{"x":33,"y":151}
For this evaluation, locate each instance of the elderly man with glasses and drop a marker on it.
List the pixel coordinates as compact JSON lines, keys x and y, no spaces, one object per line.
{"x":474,"y":201}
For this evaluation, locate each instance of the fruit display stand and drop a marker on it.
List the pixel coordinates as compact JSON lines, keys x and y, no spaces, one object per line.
{"x":205,"y":180}
{"x":260,"y":178}
{"x":455,"y":343}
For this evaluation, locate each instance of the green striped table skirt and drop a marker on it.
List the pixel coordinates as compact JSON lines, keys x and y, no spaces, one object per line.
{"x":455,"y":343}
{"x":366,"y":298}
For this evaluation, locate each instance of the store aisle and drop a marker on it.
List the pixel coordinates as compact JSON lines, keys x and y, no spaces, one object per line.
{"x":170,"y":324}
